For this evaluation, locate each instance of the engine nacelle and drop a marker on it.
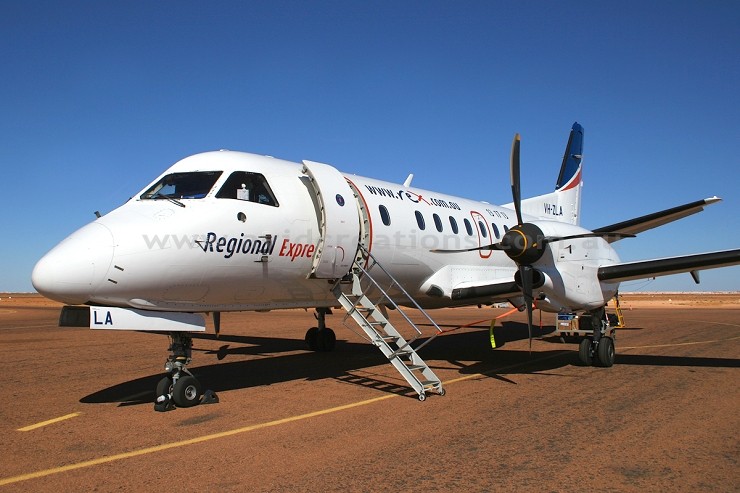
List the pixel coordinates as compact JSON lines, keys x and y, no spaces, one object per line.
{"x":568,"y":270}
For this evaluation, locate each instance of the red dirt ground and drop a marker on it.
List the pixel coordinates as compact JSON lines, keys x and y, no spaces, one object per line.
{"x":664,"y":418}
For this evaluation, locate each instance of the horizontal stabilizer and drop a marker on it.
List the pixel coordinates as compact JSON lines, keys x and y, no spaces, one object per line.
{"x":650,"y":221}
{"x":665,"y":266}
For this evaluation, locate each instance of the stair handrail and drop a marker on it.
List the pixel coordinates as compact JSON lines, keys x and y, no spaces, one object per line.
{"x":368,"y":255}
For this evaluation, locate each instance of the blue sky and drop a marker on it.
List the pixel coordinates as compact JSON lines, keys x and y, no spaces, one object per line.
{"x":99,"y":97}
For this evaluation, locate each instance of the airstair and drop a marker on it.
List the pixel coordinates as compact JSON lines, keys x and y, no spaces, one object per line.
{"x":366,"y":304}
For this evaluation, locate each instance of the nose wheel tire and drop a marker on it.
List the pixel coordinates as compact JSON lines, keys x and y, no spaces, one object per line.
{"x":164,"y":386}
{"x":187,"y":391}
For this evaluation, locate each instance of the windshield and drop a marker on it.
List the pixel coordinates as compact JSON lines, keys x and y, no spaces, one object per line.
{"x":188,"y":185}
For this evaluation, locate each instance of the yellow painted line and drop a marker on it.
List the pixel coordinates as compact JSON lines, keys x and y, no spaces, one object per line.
{"x":237,"y":431}
{"x":182,"y":443}
{"x":675,"y":344}
{"x":712,"y":323}
{"x":49,"y":422}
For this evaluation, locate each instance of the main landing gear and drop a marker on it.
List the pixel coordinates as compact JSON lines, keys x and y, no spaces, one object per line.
{"x":179,"y":388}
{"x":599,"y":347}
{"x":321,"y":338}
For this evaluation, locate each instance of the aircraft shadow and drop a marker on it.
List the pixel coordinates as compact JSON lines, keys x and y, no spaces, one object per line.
{"x":347,"y":362}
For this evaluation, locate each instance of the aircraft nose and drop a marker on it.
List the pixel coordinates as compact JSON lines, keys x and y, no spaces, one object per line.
{"x":72,"y":270}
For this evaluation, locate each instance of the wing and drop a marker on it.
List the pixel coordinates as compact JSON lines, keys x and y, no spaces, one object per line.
{"x":650,"y":221}
{"x":665,"y":266}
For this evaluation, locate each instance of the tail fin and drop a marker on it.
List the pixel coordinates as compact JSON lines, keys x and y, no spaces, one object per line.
{"x":570,"y":170}
{"x":564,"y":204}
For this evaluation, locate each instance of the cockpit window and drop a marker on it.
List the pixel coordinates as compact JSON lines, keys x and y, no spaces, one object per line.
{"x":187,"y":185}
{"x":243,"y":185}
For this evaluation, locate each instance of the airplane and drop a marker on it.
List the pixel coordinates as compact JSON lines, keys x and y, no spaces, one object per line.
{"x":229,"y":231}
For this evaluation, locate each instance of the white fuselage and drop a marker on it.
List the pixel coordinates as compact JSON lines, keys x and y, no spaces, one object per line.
{"x":227,"y":253}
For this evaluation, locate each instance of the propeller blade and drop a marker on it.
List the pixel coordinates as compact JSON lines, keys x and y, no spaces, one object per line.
{"x":515,"y":186}
{"x":527,"y":278}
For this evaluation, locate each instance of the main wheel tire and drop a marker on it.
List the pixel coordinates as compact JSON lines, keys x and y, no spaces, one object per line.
{"x":605,"y":353}
{"x":164,"y":387}
{"x":312,"y":338}
{"x":187,"y":391}
{"x":584,"y":352}
{"x":326,"y":340}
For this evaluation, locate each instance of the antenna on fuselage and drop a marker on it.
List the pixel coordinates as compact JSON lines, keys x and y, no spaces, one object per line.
{"x":407,"y":183}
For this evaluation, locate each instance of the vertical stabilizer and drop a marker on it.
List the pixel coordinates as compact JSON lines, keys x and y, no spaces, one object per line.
{"x":570,"y":170}
{"x":564,"y":204}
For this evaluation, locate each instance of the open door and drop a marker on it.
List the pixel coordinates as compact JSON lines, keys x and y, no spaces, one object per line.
{"x":339,"y":221}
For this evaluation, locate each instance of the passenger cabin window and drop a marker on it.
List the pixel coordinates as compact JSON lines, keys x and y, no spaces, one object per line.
{"x":437,"y":222}
{"x":187,"y":185}
{"x":495,"y":231}
{"x":483,"y":229}
{"x":420,"y":220}
{"x":384,"y":215}
{"x":453,"y":225}
{"x":251,"y":187}
{"x":468,"y":227}
{"x":506,"y":228}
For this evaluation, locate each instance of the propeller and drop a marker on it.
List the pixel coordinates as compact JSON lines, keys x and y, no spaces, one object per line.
{"x":526,"y":243}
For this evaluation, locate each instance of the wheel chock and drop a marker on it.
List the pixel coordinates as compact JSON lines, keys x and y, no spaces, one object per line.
{"x":209,"y":397}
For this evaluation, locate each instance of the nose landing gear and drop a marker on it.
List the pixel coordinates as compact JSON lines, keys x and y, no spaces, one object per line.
{"x":179,"y":388}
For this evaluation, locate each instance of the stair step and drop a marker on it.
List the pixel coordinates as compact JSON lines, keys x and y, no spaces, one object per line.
{"x":382,"y":332}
